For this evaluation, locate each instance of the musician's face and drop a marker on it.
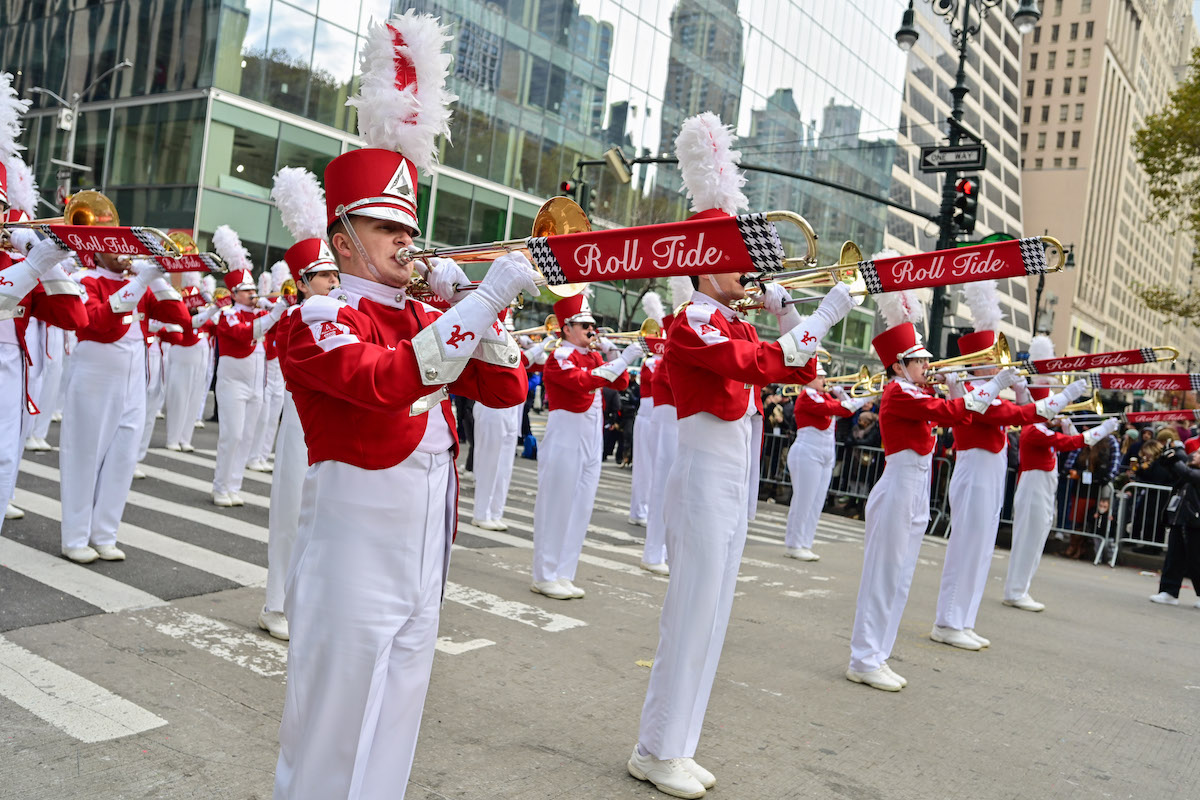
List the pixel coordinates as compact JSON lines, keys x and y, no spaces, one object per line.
{"x":321,"y":283}
{"x":915,"y":369}
{"x":818,"y":383}
{"x":244,"y":296}
{"x":113,"y":262}
{"x":580,"y":334}
{"x":381,"y":238}
{"x":724,"y":287}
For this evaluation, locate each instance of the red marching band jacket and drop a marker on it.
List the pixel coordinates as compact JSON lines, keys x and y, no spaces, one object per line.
{"x":907,"y":414}
{"x":107,"y":326}
{"x":235,"y":331}
{"x":354,"y":376}
{"x":989,"y":431}
{"x":191,"y":336}
{"x":717,"y":363}
{"x":55,"y":302}
{"x":569,"y":382}
{"x":813,"y":409}
{"x":646,"y":378}
{"x":1039,"y":443}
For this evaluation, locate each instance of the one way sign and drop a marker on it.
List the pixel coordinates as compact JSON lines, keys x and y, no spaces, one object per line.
{"x":943,"y":158}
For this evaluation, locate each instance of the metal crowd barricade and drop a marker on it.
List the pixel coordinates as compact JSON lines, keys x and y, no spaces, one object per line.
{"x":772,"y":468}
{"x":1140,"y":519}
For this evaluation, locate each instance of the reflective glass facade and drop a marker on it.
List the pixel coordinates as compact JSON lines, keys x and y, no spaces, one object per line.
{"x":224,"y":92}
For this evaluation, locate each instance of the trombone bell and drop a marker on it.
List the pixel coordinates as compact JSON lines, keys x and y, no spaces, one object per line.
{"x":998,"y":355}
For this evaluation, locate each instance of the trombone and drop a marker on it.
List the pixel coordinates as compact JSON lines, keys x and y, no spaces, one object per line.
{"x":91,"y":208}
{"x":845,"y":271}
{"x":649,"y":328}
{"x":862,"y":376}
{"x":549,"y":328}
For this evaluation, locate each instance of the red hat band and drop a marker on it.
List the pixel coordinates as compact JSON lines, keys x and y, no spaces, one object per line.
{"x":15,"y":215}
{"x":372,"y":183}
{"x":1192,"y":445}
{"x":573,"y":309}
{"x":308,"y":256}
{"x":898,"y":343}
{"x":975,"y":341}
{"x":238,"y":279}
{"x":1039,"y":392}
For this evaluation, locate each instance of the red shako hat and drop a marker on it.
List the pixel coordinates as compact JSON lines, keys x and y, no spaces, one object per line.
{"x":1039,"y":392}
{"x":309,"y":256}
{"x":574,"y":309}
{"x":238,"y":279}
{"x":1191,"y":445}
{"x":976,"y":341}
{"x":897,"y":343}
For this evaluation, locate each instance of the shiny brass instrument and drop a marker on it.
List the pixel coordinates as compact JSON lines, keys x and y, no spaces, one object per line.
{"x":184,"y":241}
{"x":862,"y":376}
{"x":998,"y":355}
{"x":83,"y":208}
{"x":222,"y":297}
{"x":872,"y":386}
{"x":845,"y":271}
{"x":1092,"y":405}
{"x":549,"y":328}
{"x":649,"y":328}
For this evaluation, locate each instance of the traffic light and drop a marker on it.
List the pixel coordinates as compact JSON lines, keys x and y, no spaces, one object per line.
{"x":568,"y":188}
{"x":966,"y":200}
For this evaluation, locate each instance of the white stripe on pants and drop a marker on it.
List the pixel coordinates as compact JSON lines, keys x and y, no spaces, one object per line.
{"x":291,"y":462}
{"x":810,"y":463}
{"x":101,"y":429}
{"x":643,"y":460}
{"x":156,"y":393}
{"x":239,"y":397}
{"x":52,"y":375}
{"x":708,"y":484}
{"x":1033,"y":514}
{"x":269,"y":414}
{"x":185,"y":390}
{"x":666,"y":444}
{"x":568,"y":476}
{"x":976,"y":496}
{"x":363,"y":596}
{"x":896,"y":515}
{"x":495,"y":448}
{"x":12,"y":407}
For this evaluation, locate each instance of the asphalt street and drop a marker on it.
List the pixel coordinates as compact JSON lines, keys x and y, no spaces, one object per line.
{"x":150,"y":679}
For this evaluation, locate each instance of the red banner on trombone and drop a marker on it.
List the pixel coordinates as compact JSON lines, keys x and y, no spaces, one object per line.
{"x":1148,"y":381}
{"x":655,"y":345}
{"x":746,"y":243}
{"x":1015,"y":258}
{"x":1116,"y":358}
{"x":1163,"y":416}
{"x":194,"y":262}
{"x":135,"y":241}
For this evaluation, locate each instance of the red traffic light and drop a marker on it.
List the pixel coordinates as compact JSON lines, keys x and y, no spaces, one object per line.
{"x":567,"y":187}
{"x":965,"y":186}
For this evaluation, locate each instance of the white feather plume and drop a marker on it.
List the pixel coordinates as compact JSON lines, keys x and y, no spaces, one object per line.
{"x":984,"y":303}
{"x":189,"y":279}
{"x":279,"y":274}
{"x":1041,"y":347}
{"x":652,"y":305}
{"x":264,"y":283}
{"x":12,"y":108}
{"x":208,"y":283}
{"x":709,"y":164}
{"x":301,"y":202}
{"x":229,"y":247}
{"x":899,"y":307}
{"x":22,"y":186}
{"x":407,"y":120}
{"x":681,"y":290}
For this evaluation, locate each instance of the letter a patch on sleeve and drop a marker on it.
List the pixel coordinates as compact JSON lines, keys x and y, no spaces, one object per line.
{"x":329,"y":335}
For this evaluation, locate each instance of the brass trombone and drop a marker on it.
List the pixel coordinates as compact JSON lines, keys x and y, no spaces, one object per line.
{"x":852,"y":378}
{"x":845,"y":271}
{"x":549,"y":328}
{"x":90,"y":208}
{"x":649,"y":328}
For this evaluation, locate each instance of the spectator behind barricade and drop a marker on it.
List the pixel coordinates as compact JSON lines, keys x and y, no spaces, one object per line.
{"x":1092,"y":470}
{"x":612,"y":420}
{"x":1183,"y":514}
{"x":1131,"y":443}
{"x":631,"y":398}
{"x":1146,"y":517}
{"x":775,"y":445}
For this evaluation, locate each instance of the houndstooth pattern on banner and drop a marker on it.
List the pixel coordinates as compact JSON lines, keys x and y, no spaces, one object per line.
{"x":1033,"y":254}
{"x":152,"y":243}
{"x":1148,"y":354}
{"x":1095,"y":380}
{"x":762,"y":242}
{"x":1194,"y":379}
{"x":870,"y":276}
{"x":544,"y":259}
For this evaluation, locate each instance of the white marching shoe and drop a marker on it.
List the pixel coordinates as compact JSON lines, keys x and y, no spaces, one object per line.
{"x":56,"y":416}
{"x":657,"y":569}
{"x":274,"y":623}
{"x":898,"y":678}
{"x":258,"y":465}
{"x":222,"y":499}
{"x":198,"y":423}
{"x":175,"y":447}
{"x":80,"y":555}
{"x":138,"y":475}
{"x":1162,"y":597}
{"x":12,"y":512}
{"x":877,"y":679}
{"x":575,"y":591}
{"x":36,"y":445}
{"x":187,"y":448}
{"x":802,"y":554}
{"x":109,"y":552}
{"x":669,"y":775}
{"x":641,"y":523}
{"x":1026,"y":603}
{"x":552,"y":589}
{"x":954,"y":638}
{"x":236,"y":499}
{"x":982,"y":641}
{"x":490,"y":524}
{"x":706,"y":778}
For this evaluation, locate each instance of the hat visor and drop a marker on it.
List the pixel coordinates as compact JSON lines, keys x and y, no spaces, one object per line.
{"x":584,"y":317}
{"x":821,"y":373}
{"x":917,"y":351}
{"x":389,"y":213}
{"x":320,"y":266}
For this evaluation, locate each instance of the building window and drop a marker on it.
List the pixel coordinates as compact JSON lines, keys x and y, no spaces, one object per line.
{"x":1063,"y":110}
{"x":1085,"y":57}
{"x":1029,"y":88}
{"x":1058,"y":163}
{"x":1066,"y":85}
{"x":1051,"y":59}
{"x":1041,"y":141}
{"x":1054,"y":33}
{"x":1072,"y":162}
{"x":1074,"y":140}
{"x":1024,"y":140}
{"x":1060,"y":139}
{"x":1074,"y":31}
{"x":1045,"y":113}
{"x":1085,"y":6}
{"x":1083,"y":84}
{"x":1037,"y":163}
{"x":1025,"y":115}
{"x":1070,"y":59}
{"x":1078,"y":112}
{"x":1087,"y":30}
{"x":1037,"y":35}
{"x":1033,"y":60}
{"x":1058,"y":8}
{"x":1049,"y":85}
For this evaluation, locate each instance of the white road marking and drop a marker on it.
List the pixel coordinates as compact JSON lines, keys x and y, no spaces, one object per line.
{"x":584,"y":558}
{"x":806,"y":594}
{"x":510,"y":609}
{"x":69,"y":578}
{"x":74,"y":705}
{"x":446,"y":645}
{"x":200,"y":461}
{"x":202,"y":486}
{"x":259,"y":654}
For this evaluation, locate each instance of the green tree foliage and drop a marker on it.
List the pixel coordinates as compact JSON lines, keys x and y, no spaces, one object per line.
{"x":1168,"y":149}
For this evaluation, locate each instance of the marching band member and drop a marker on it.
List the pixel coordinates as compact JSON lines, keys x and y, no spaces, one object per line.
{"x":106,"y":401}
{"x":717,"y":364}
{"x":811,"y":456}
{"x":655,"y":553}
{"x":210,"y":292}
{"x":495,"y":442}
{"x":569,"y":454}
{"x":51,"y":390}
{"x":643,"y":425}
{"x":240,"y":368}
{"x":369,"y":369}
{"x":272,"y":407}
{"x":157,"y":335}
{"x":186,"y":367}
{"x":978,"y":480}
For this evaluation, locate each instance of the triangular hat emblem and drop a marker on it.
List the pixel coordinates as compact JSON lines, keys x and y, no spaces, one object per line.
{"x":400,"y":184}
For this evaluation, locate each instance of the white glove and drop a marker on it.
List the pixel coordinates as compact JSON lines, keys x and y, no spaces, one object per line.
{"x":206,"y":295}
{"x":774,"y":296}
{"x":1006,"y":377}
{"x":145,"y":271}
{"x":631,"y":353}
{"x":980,"y":399}
{"x":606,"y":345}
{"x":524,"y":341}
{"x":840,"y":393}
{"x":1101,"y":431}
{"x":509,"y":276}
{"x":263,"y":303}
{"x":443,"y":275}
{"x":278,"y":308}
{"x":1076,"y":390}
{"x":1068,"y":427}
{"x":44,"y":255}
{"x":954,"y":386}
{"x":24,"y":239}
{"x":807,"y":336}
{"x":1021,"y":390}
{"x":855,"y":403}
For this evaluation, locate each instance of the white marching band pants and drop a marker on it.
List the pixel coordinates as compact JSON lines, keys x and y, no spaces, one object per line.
{"x":666,"y":443}
{"x":976,"y":497}
{"x":186,"y":390}
{"x":810,"y":463}
{"x":643,"y":460}
{"x":291,"y":462}
{"x":1033,"y":514}
{"x":12,"y":409}
{"x":156,"y":392}
{"x":568,"y":476}
{"x":495,"y":446}
{"x":50,"y":395}
{"x":101,"y":429}
{"x":896,"y":515}
{"x":709,"y":486}
{"x":210,"y":367}
{"x":269,"y":414}
{"x":239,"y":397}
{"x":363,"y":596}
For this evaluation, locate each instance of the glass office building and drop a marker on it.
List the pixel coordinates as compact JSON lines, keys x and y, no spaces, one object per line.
{"x":223,"y":93}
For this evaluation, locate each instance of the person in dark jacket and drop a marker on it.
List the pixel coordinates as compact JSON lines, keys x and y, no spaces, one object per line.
{"x":1183,"y":514}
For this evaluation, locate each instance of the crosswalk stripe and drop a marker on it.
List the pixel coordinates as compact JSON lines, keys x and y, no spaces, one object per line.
{"x":233,"y":569}
{"x":74,"y":705}
{"x":259,"y":654}
{"x":204,"y":487}
{"x":510,"y":609}
{"x":68,"y":578}
{"x":585,"y":558}
{"x":212,"y":519}
{"x":452,"y":648}
{"x":200,"y":461}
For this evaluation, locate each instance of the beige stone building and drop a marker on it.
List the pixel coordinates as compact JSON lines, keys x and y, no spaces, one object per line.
{"x":1091,"y":72}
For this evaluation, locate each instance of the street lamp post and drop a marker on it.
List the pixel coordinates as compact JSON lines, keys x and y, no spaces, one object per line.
{"x":1025,"y":18}
{"x":70,"y":121}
